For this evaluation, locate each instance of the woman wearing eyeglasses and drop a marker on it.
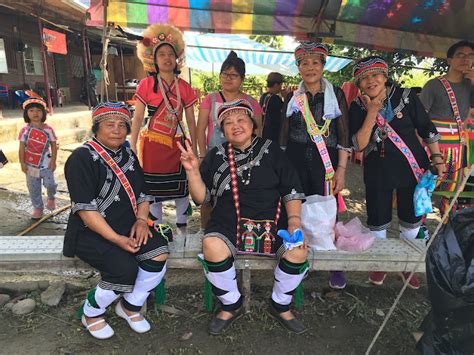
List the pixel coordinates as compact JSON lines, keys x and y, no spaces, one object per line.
{"x":208,"y":131}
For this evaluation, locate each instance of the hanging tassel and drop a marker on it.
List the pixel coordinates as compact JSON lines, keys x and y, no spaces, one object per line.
{"x":91,"y":298}
{"x":189,"y":211}
{"x":80,"y":312}
{"x":299,"y":296}
{"x":208,"y":300}
{"x":160,"y":293}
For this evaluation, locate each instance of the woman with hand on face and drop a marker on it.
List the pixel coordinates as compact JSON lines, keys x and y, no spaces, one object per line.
{"x":108,"y":227}
{"x":209,"y":133}
{"x":384,"y":122}
{"x":254,"y":191}
{"x":316,"y":130}
{"x":166,"y":97}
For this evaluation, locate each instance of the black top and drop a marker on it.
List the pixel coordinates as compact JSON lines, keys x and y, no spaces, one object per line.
{"x":271,"y":105}
{"x":338,"y":128}
{"x":93,"y":186}
{"x":410,"y":118}
{"x":272,"y":177}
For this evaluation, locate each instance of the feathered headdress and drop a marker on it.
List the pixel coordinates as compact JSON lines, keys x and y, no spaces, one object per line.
{"x":153,"y":37}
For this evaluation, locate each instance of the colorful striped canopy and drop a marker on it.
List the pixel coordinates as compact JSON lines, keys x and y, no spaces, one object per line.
{"x":426,"y":27}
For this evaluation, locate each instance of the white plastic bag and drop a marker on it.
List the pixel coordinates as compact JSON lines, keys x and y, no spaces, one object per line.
{"x":318,"y":218}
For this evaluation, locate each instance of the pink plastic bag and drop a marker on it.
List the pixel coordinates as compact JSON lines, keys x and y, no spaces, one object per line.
{"x":353,"y":236}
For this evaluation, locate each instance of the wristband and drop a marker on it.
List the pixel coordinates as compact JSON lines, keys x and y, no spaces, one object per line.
{"x":294,"y":216}
{"x":142,"y":219}
{"x":340,"y":166}
{"x":436,"y":155}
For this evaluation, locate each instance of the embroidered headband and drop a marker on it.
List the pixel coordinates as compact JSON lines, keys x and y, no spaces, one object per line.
{"x":311,"y":48}
{"x":34,"y":100}
{"x":228,"y":108}
{"x":107,"y":110}
{"x":155,"y":36}
{"x":369,"y":65}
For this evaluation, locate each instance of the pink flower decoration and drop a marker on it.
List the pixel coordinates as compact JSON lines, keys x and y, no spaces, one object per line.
{"x":146,"y":41}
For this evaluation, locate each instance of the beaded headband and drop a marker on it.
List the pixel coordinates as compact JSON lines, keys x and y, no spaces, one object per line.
{"x":311,"y":48}
{"x":228,"y":108}
{"x":107,"y":110}
{"x":34,"y":100}
{"x":371,"y":65}
{"x":153,"y":37}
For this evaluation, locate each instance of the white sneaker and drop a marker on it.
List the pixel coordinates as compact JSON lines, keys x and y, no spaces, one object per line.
{"x":104,"y":333}
{"x":141,"y":326}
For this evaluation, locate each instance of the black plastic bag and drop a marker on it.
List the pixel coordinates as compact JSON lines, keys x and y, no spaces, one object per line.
{"x":449,"y":327}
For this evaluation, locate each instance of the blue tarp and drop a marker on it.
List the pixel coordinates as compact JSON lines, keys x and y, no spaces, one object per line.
{"x":207,"y":52}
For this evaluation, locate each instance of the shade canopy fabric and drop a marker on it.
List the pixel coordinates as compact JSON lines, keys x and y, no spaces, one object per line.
{"x":424,"y":27}
{"x":208,"y":51}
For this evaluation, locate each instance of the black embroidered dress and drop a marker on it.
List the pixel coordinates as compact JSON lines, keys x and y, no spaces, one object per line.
{"x":93,"y":186}
{"x":272,"y":178}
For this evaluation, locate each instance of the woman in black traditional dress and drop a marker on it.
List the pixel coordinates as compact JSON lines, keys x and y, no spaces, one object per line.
{"x":384,"y":123}
{"x":254,"y":191}
{"x":108,"y":226}
{"x":315,"y":130}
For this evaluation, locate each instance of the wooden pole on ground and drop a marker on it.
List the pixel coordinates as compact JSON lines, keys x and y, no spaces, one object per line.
{"x":48,"y":216}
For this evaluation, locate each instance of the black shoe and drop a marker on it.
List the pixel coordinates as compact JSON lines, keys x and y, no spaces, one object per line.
{"x":219,"y":326}
{"x":293,"y":325}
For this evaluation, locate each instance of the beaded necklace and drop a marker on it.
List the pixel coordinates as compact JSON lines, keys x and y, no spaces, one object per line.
{"x":235,"y":190}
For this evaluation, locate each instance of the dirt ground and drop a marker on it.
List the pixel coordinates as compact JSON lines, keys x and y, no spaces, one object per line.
{"x":338,"y":322}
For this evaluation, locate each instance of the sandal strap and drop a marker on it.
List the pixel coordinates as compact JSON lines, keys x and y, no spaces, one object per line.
{"x":134,"y":315}
{"x":95,"y":323}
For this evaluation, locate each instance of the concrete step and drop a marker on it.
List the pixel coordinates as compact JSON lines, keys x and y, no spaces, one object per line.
{"x":65,"y":137}
{"x":9,"y":128}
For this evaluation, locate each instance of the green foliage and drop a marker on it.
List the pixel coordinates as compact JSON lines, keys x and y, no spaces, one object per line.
{"x":270,"y":41}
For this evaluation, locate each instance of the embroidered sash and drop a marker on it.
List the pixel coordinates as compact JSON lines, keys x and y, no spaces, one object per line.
{"x":117,"y":171}
{"x":455,"y":107}
{"x":36,"y":146}
{"x":402,"y":147}
{"x":166,"y":119}
{"x":315,"y":133}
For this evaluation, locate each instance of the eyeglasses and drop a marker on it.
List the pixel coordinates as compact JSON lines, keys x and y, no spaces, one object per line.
{"x":464,"y":56}
{"x":230,"y":76}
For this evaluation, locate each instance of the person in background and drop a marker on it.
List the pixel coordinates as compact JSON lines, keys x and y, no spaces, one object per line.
{"x":448,"y":99}
{"x":37,"y":154}
{"x":166,"y":96}
{"x":209,"y":134}
{"x":272,"y":104}
{"x":317,"y":112}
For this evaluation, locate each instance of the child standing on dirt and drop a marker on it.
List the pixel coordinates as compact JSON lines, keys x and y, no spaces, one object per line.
{"x":37,"y":153}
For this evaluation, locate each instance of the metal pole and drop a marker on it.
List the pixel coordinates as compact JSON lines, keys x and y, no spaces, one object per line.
{"x":85,"y":59}
{"x":123,"y":75}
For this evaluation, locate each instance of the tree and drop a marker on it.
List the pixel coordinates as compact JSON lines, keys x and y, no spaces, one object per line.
{"x":275,"y":42}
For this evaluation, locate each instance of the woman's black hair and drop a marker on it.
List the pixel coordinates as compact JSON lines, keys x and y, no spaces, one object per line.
{"x":157,"y":70}
{"x":25,"y":112}
{"x":95,"y":128}
{"x":233,"y":61}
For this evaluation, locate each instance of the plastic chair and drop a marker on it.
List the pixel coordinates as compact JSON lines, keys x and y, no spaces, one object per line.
{"x":4,"y":92}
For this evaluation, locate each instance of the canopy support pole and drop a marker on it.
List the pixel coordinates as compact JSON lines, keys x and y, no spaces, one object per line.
{"x":45,"y":68}
{"x":103,"y":61}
